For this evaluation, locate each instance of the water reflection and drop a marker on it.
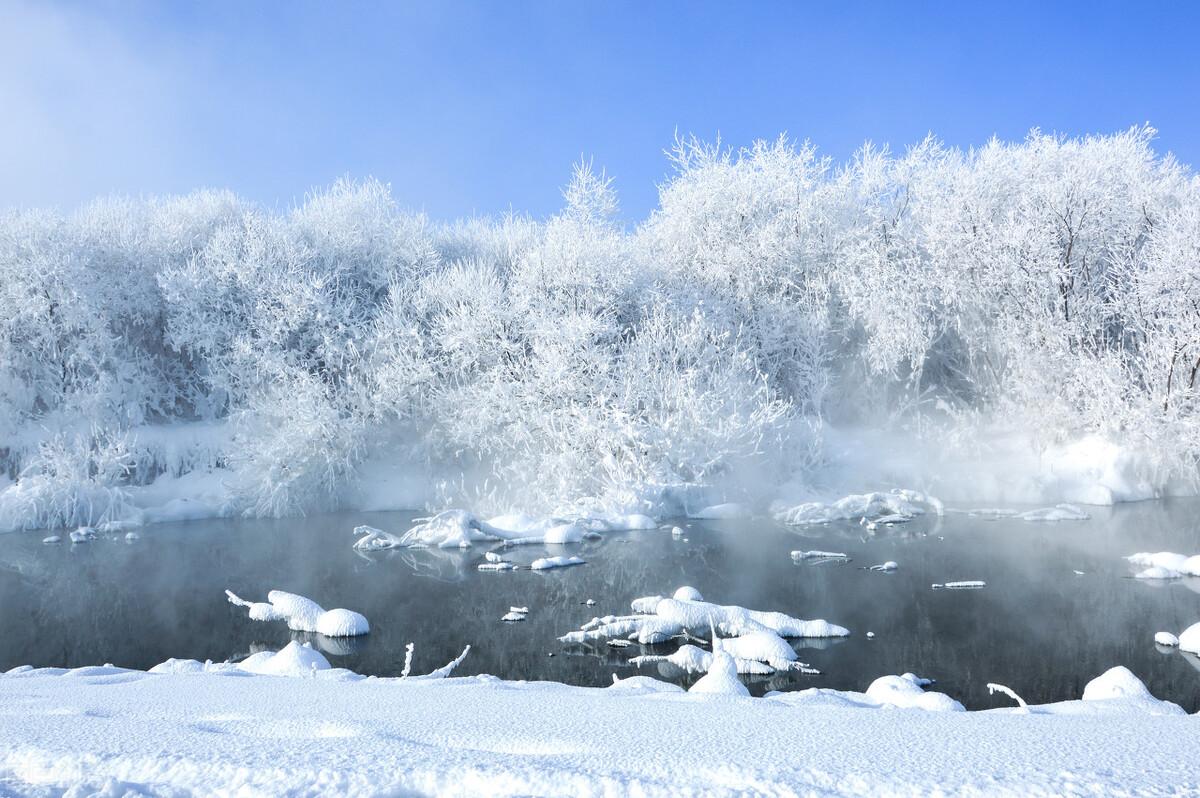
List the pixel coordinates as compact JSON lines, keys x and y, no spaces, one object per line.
{"x":1037,"y":626}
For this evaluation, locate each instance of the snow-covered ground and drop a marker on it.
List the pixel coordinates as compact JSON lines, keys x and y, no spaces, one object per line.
{"x":104,"y":731}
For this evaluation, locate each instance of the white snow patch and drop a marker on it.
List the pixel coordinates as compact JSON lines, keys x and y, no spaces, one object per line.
{"x":1165,"y":565}
{"x":544,"y":563}
{"x":895,"y":505}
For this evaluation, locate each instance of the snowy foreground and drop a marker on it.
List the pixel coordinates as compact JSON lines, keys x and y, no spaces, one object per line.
{"x":221,"y":730}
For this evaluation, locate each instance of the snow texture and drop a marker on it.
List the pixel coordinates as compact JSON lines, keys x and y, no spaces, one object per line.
{"x":103,"y":730}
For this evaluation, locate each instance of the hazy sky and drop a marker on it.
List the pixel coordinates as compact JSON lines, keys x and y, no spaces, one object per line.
{"x":476,"y":108}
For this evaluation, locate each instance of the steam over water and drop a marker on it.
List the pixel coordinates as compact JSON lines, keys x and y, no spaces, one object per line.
{"x":1037,"y":626}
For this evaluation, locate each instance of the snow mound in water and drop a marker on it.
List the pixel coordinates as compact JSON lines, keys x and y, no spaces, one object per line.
{"x":295,"y":659}
{"x":899,"y":504}
{"x":752,"y":636}
{"x":1165,"y":565}
{"x":461,"y":529}
{"x":545,"y":563}
{"x":687,"y":593}
{"x":342,"y":623}
{"x":1189,"y":639}
{"x":1166,"y":639}
{"x":303,"y":614}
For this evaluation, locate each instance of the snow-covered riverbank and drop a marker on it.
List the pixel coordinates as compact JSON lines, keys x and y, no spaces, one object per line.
{"x":231,"y":733}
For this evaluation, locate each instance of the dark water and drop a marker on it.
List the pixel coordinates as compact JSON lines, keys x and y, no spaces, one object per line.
{"x":1037,"y":627}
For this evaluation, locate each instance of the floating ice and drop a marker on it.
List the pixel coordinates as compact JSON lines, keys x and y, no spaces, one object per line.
{"x":512,"y":615}
{"x":968,"y":585}
{"x":676,"y":532}
{"x":1059,"y":512}
{"x":544,"y":563}
{"x":461,"y":529}
{"x":131,"y":536}
{"x":1166,"y":639}
{"x":303,"y":614}
{"x":496,"y":563}
{"x":895,"y":505}
{"x":887,"y":566}
{"x":756,"y":639}
{"x":52,"y":539}
{"x":1165,"y":565}
{"x":819,"y":555}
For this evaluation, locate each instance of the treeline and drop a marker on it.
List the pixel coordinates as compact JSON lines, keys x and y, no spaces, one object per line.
{"x":1052,"y":284}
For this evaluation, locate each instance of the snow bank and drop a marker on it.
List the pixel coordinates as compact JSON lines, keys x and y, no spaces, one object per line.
{"x":1165,"y":565}
{"x":895,"y":505}
{"x":461,"y":529}
{"x":722,"y":512}
{"x":333,"y":732}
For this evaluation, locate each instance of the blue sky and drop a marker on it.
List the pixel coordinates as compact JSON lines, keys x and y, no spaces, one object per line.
{"x":480,"y":107}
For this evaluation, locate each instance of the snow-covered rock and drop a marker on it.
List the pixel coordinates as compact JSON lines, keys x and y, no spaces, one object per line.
{"x":294,"y":659}
{"x":687,"y":593}
{"x":1166,"y":639}
{"x":1189,"y":639}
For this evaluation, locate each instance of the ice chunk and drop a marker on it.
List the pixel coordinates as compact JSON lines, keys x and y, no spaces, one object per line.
{"x":1189,"y":639}
{"x":544,"y":563}
{"x":887,"y":566}
{"x":819,"y":555}
{"x":967,"y":585}
{"x":52,"y":539}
